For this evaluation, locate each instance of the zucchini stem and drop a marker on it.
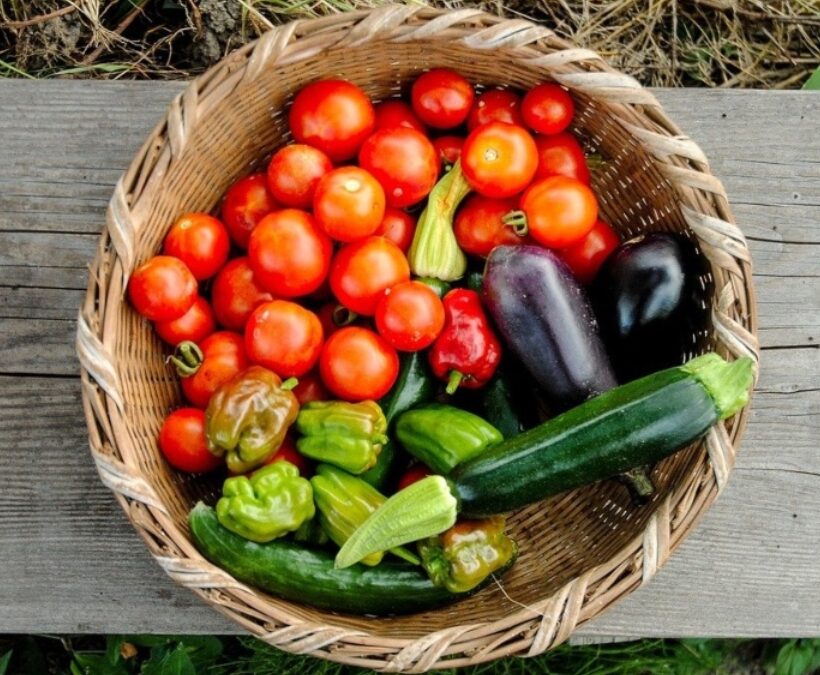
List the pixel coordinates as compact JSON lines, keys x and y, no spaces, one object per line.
{"x":728,"y":383}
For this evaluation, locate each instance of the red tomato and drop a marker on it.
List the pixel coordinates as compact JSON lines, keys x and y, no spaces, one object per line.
{"x":561,"y":155}
{"x":334,"y":116}
{"x":404,"y":162}
{"x":287,"y":452}
{"x":310,"y":388}
{"x":235,"y":294}
{"x":349,"y":203}
{"x":586,"y":256}
{"x":559,"y":211}
{"x":410,"y":316}
{"x":448,"y":150}
{"x":479,"y":227}
{"x":289,"y":254}
{"x":201,"y":242}
{"x":357,"y":365}
{"x":413,"y":475}
{"x":495,"y":105}
{"x":499,"y":159}
{"x":442,"y":98}
{"x":223,"y":357}
{"x":162,"y":289}
{"x":396,"y":113}
{"x":284,"y":337}
{"x":399,"y":227}
{"x":363,"y":271}
{"x":293,"y":173}
{"x":182,"y":441}
{"x":246,"y":202}
{"x":195,"y":325}
{"x":547,"y":108}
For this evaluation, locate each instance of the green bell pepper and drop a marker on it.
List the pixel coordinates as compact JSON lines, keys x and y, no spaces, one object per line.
{"x":347,"y":435}
{"x":443,"y":436}
{"x":274,"y":501}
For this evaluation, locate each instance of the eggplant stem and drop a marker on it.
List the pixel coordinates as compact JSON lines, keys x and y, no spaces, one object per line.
{"x":187,"y":358}
{"x":454,"y":381}
{"x":517,"y":220}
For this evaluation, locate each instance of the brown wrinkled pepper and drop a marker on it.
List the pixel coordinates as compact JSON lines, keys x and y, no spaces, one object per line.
{"x":248,"y":416}
{"x":466,"y":554}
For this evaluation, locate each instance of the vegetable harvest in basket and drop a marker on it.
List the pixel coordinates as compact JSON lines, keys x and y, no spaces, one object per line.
{"x":411,"y":324}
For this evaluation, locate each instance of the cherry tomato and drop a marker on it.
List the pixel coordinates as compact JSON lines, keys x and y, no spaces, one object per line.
{"x":499,"y":159}
{"x":235,"y":294}
{"x":495,"y":105}
{"x":410,"y":316}
{"x":396,"y":113}
{"x":399,"y":227}
{"x":162,"y":289}
{"x":289,"y":254}
{"x":195,"y":325}
{"x":448,"y":150}
{"x":246,"y":202}
{"x":357,"y":365}
{"x":547,"y":109}
{"x":201,"y":242}
{"x":586,"y":256}
{"x":404,"y":162}
{"x":561,"y":155}
{"x":413,"y":475}
{"x":442,"y":98}
{"x":334,"y":316}
{"x":223,"y":357}
{"x":348,"y":204}
{"x":363,"y":271}
{"x":310,"y":388}
{"x":293,"y":173}
{"x":479,"y":227}
{"x":284,"y":337}
{"x":182,"y":441}
{"x":334,"y":116}
{"x":559,"y":211}
{"x":287,"y":452}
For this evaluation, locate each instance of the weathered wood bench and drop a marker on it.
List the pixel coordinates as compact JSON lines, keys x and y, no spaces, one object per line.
{"x":69,"y":560}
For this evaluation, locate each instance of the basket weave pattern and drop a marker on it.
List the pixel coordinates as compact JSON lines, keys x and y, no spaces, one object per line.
{"x":581,"y":551}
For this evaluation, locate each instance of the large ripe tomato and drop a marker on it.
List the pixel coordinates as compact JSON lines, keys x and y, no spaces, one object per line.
{"x":293,"y":173}
{"x":561,"y":155}
{"x":235,"y":294}
{"x":201,"y":242}
{"x":364,"y":270}
{"x":410,"y":316}
{"x":404,"y":161}
{"x":559,"y":211}
{"x":547,"y":109}
{"x":195,"y":325}
{"x":396,"y":113}
{"x":162,"y":289}
{"x":357,"y":365}
{"x":334,"y":116}
{"x":442,"y":98}
{"x":586,"y":256}
{"x":183,"y":443}
{"x":223,"y":356}
{"x":448,"y":150}
{"x":289,"y":254}
{"x":311,"y":388}
{"x":397,"y":226}
{"x":284,"y":337}
{"x":495,"y":105}
{"x":349,"y":204}
{"x":414,"y":474}
{"x":246,"y":202}
{"x":479,"y":226}
{"x":499,"y":159}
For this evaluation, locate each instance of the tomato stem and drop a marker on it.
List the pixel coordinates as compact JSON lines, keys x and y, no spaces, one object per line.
{"x":517,"y":220}
{"x":454,"y":381}
{"x":342,"y":316}
{"x":187,"y":358}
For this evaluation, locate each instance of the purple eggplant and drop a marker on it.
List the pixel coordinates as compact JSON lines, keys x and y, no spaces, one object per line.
{"x":546,"y":319}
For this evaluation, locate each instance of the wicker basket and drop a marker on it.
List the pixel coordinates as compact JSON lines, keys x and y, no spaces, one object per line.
{"x":581,"y":551}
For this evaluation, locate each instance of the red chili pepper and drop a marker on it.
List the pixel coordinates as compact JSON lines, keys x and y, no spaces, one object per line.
{"x":467,"y":352}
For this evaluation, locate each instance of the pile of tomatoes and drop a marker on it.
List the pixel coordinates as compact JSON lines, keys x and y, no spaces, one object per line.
{"x":306,"y":271}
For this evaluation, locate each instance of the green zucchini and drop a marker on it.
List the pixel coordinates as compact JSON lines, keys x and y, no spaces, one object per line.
{"x":301,"y":574}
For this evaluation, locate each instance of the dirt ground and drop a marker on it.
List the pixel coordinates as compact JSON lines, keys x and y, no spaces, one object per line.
{"x":725,"y":43}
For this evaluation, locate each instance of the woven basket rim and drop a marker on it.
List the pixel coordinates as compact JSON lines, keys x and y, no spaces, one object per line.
{"x":530,"y":630}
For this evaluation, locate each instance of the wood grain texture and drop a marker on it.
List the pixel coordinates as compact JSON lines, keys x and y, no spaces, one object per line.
{"x":750,"y":568}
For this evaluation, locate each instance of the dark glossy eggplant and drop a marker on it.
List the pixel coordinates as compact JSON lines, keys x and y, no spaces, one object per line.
{"x":547,"y":321}
{"x":650,"y":302}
